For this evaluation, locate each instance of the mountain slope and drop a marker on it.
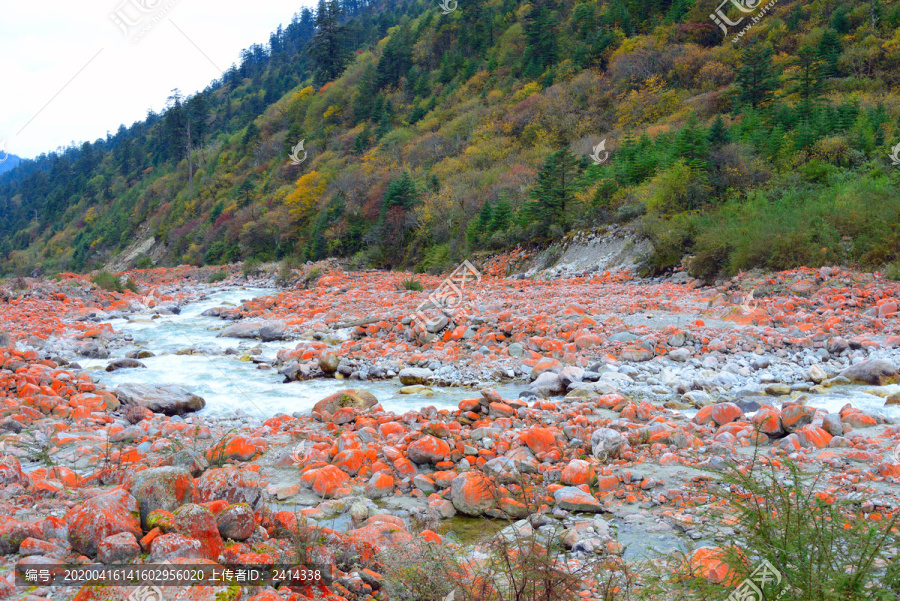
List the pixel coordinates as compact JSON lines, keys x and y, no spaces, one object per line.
{"x":449,"y":133}
{"x":9,"y":162}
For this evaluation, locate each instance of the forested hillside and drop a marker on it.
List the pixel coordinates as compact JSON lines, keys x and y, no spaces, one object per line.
{"x":428,"y":136}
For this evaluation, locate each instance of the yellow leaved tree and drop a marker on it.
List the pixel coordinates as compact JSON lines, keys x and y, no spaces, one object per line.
{"x":302,"y":201}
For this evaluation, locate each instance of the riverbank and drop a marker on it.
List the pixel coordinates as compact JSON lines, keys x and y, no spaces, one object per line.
{"x":594,"y":409}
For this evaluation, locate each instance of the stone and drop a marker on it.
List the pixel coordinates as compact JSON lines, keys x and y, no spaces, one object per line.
{"x":415,"y":375}
{"x":578,"y":471}
{"x":166,"y":488}
{"x":472,"y":493}
{"x":167,"y":547}
{"x":326,"y":481}
{"x":328,"y":362}
{"x":816,"y":374}
{"x":795,"y":416}
{"x":724,"y":413}
{"x":196,"y":522}
{"x":572,"y":498}
{"x":777,"y":388}
{"x":874,"y":371}
{"x":168,"y":399}
{"x":547,"y":384}
{"x":428,"y":449}
{"x":118,"y":548}
{"x":679,"y":354}
{"x":380,"y":485}
{"x":230,"y":484}
{"x":697,"y":398}
{"x":831,"y":423}
{"x":606,"y":442}
{"x":570,"y":375}
{"x":236,"y":522}
{"x":272,"y":331}
{"x":351,"y":397}
{"x":539,"y":440}
{"x":545,"y":364}
{"x":124,"y":364}
{"x":240,"y":330}
{"x":587,"y":390}
{"x":100,"y":517}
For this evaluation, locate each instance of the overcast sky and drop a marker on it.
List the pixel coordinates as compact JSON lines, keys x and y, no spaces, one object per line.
{"x":70,"y":73}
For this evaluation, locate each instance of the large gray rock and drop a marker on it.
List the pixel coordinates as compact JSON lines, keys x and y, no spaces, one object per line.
{"x":124,"y":364}
{"x":570,"y":374}
{"x":272,"y":331}
{"x":547,"y":384}
{"x":240,"y":330}
{"x":4,"y":339}
{"x":169,"y":399}
{"x":873,"y":371}
{"x":415,"y":375}
{"x":572,"y":498}
{"x":606,"y":441}
{"x":587,"y":390}
{"x":166,"y":488}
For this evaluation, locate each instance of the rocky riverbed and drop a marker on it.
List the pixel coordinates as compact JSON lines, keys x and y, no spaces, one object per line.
{"x":180,"y":424}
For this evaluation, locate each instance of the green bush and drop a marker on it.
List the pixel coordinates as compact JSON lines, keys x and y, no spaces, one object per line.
{"x":824,"y":548}
{"x":218,"y":276}
{"x":143,"y":262}
{"x":251,"y":267}
{"x":851,"y":222}
{"x":413,"y":284}
{"x":436,"y":260}
{"x":107,"y":281}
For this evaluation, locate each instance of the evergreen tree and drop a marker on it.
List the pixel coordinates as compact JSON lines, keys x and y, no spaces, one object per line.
{"x":718,"y":133}
{"x":328,"y":49}
{"x":484,"y":217}
{"x":396,"y":60}
{"x":502,"y":216}
{"x":554,"y":191}
{"x":809,"y":82}
{"x":829,"y":52}
{"x":540,"y":38}
{"x":756,"y":78}
{"x":401,"y":192}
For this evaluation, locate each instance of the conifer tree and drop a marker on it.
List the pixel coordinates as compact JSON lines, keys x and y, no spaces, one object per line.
{"x":328,"y":48}
{"x":555,"y":189}
{"x":756,"y":78}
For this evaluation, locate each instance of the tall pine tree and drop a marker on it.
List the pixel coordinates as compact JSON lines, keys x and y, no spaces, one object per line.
{"x":756,"y":78}
{"x":328,"y":48}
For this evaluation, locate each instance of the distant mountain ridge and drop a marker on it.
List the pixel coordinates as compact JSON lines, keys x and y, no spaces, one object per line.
{"x":9,"y":163}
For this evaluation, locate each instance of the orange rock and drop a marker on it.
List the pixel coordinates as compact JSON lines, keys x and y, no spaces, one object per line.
{"x":428,"y":449}
{"x":539,"y":440}
{"x":723,"y":413}
{"x":577,"y":472}
{"x":325,"y":481}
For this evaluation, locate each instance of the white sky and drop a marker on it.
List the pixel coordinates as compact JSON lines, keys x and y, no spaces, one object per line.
{"x":46,"y":43}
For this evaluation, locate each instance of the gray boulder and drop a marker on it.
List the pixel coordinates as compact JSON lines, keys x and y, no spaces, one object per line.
{"x":124,"y":364}
{"x":415,"y":375}
{"x":169,"y":399}
{"x":874,"y":371}
{"x":606,"y":441}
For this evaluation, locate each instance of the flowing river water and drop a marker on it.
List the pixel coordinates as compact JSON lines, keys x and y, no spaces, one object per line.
{"x":226,"y":382}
